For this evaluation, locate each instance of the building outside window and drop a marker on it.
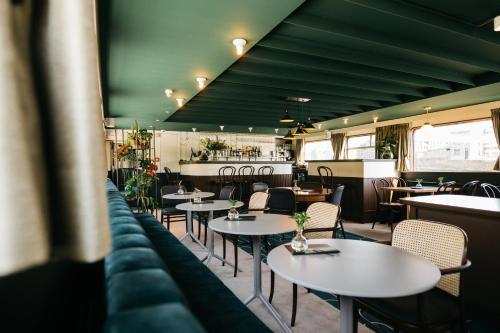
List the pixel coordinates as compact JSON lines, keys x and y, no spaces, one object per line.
{"x":467,"y":146}
{"x":360,"y":147}
{"x":318,"y":150}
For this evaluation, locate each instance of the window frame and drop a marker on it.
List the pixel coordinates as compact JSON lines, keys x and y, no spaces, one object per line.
{"x":346,"y":148}
{"x":314,"y":141}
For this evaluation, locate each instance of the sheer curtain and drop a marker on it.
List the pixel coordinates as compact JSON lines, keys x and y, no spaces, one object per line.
{"x":299,"y":151}
{"x":338,"y":142}
{"x":495,"y":118}
{"x":401,"y":132}
{"x":52,"y":141}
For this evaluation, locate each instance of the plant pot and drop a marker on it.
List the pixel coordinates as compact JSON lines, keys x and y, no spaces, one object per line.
{"x":233,"y":214}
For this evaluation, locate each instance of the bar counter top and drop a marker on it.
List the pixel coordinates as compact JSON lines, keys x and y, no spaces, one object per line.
{"x":224,"y":161}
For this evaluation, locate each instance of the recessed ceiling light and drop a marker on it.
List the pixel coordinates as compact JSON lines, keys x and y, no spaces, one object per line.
{"x":157,"y":119}
{"x":150,"y":125}
{"x":167,"y":112}
{"x":298,"y":99}
{"x":180,"y":101}
{"x":375,"y":119}
{"x":319,"y":126}
{"x":239,"y":43}
{"x":169,"y":92}
{"x":201,"y":82}
{"x":345,"y":120}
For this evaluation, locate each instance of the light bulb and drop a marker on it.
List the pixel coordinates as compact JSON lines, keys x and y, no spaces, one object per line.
{"x":201,"y":82}
{"x":239,"y":43}
{"x":180,"y":101}
{"x":169,"y":92}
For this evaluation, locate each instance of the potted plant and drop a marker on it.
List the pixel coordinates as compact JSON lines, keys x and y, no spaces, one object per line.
{"x":233,"y":212}
{"x":137,"y":188}
{"x":419,"y":182}
{"x":214,"y":146}
{"x":385,"y":146}
{"x":440,"y":180}
{"x":299,"y":242}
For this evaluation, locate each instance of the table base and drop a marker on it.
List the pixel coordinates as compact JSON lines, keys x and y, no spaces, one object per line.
{"x":346,"y":314}
{"x":190,"y":231}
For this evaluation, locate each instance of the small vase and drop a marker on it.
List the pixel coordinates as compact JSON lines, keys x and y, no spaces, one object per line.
{"x":233,"y":214}
{"x":180,"y":191}
{"x":295,"y":186}
{"x":419,"y":183}
{"x":197,"y":199}
{"x":387,"y":153}
{"x":299,"y":242}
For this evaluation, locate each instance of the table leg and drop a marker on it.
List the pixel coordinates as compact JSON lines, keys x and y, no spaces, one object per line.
{"x":346,"y":314}
{"x":190,"y":232}
{"x":257,"y":285}
{"x":408,"y":207}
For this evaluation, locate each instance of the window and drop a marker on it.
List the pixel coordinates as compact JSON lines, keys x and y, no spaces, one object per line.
{"x":468,"y":146}
{"x":361,"y":147}
{"x":318,"y":150}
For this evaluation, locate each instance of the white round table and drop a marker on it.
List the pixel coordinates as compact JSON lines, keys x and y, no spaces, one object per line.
{"x":209,"y":207}
{"x":264,"y":224}
{"x":188,"y":196}
{"x":361,"y":269}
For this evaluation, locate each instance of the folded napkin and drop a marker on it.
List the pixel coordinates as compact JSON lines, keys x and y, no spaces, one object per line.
{"x":314,"y":249}
{"x":243,"y":218}
{"x":203,"y":202}
{"x":185,"y":193}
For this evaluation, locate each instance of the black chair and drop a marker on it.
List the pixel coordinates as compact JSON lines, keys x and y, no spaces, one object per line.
{"x":325,"y":177}
{"x":281,"y":201}
{"x":226,"y":176}
{"x":336,"y":199}
{"x":264,"y":174}
{"x":386,"y":208}
{"x":490,"y":190}
{"x":259,"y":187}
{"x":243,"y":181}
{"x":441,"y":307}
{"x":168,"y":209}
{"x":471,"y":188}
{"x":170,"y":177}
{"x":447,"y":188}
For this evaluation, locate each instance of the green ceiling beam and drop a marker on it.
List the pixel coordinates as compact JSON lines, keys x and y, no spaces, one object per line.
{"x":413,"y":13}
{"x":363,"y":58}
{"x":341,"y":28}
{"x":329,"y":65}
{"x":306,"y":87}
{"x":250,"y":90}
{"x":301,"y":74}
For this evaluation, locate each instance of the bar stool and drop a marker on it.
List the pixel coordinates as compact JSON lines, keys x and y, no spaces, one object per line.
{"x":244,"y":179}
{"x":324,"y":173}
{"x":226,"y":176}
{"x":264,"y":174}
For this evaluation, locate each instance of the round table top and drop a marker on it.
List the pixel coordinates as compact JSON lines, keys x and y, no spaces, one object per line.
{"x":264,"y":224}
{"x":205,"y":207}
{"x":361,"y":269}
{"x":188,"y":196}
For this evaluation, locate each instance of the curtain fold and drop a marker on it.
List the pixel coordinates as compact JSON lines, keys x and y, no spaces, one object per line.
{"x":53,"y":171}
{"x":299,"y":151}
{"x":495,"y":119}
{"x":401,"y":133}
{"x":338,"y":141}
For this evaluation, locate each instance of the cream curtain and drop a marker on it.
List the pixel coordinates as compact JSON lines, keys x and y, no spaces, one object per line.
{"x":338,"y":142}
{"x":495,"y":118}
{"x":401,"y":132}
{"x":299,"y":151}
{"x":53,"y":202}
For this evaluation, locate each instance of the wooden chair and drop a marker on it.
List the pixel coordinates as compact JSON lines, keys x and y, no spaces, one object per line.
{"x":325,"y":177}
{"x":385,"y":206}
{"x":336,"y":199}
{"x":470,"y":188}
{"x":447,"y":188}
{"x":264,"y":174}
{"x":225,"y":176}
{"x":256,"y":204}
{"x":168,"y":209}
{"x":490,"y":190}
{"x":243,"y":181}
{"x":446,"y":246}
{"x":323,"y":223}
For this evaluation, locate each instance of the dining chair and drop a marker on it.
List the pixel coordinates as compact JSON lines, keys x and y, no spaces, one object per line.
{"x":446,"y":246}
{"x":325,"y":176}
{"x":168,"y":209}
{"x":264,"y":174}
{"x":256,"y":204}
{"x":447,"y":188}
{"x":309,"y":185}
{"x":225,"y":176}
{"x":243,"y":180}
{"x":336,"y":199}
{"x":259,"y":187}
{"x":281,"y":201}
{"x":322,"y":223}
{"x":490,"y":190}
{"x":169,"y":176}
{"x":471,"y":188}
{"x":386,"y":208}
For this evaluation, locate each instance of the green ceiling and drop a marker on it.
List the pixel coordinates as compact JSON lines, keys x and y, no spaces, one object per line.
{"x":353,"y":58}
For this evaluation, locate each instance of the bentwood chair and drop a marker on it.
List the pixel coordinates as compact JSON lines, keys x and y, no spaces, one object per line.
{"x":441,"y":307}
{"x":325,"y":177}
{"x":259,"y":187}
{"x":387,"y":209}
{"x":490,"y":190}
{"x":225,"y":176}
{"x":336,"y":199}
{"x":264,"y":174}
{"x":471,"y":188}
{"x":323,"y":223}
{"x":168,"y":209}
{"x":447,"y":188}
{"x":256,"y":204}
{"x":243,"y":181}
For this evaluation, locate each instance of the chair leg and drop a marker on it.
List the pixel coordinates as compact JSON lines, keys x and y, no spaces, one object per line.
{"x":235,"y":244}
{"x":199,"y":227}
{"x":205,"y":234}
{"x":168,"y":222}
{"x":294,"y":305}
{"x":342,"y":228}
{"x":223,"y":248}
{"x":186,"y":218}
{"x":355,"y":318}
{"x":271,"y":292}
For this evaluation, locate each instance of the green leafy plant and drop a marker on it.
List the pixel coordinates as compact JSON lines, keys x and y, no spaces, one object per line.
{"x":388,"y":143}
{"x":440,"y":180}
{"x":233,"y":202}
{"x":137,"y":187}
{"x":212,"y":145}
{"x":301,"y":219}
{"x":196,"y":190}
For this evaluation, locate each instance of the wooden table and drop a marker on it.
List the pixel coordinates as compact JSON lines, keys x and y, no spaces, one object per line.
{"x":409,"y":190}
{"x":480,"y":218}
{"x":310,"y":196}
{"x":361,"y":269}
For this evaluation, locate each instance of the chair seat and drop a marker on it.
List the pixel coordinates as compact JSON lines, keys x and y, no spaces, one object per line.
{"x":438,"y":307}
{"x":391,"y":204}
{"x":172,"y":211}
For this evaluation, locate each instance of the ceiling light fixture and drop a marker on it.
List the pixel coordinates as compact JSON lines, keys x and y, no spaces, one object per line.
{"x":201,"y":82}
{"x":157,"y":119}
{"x":239,"y":43}
{"x":345,"y":121}
{"x":375,"y":119}
{"x":180,"y":101}
{"x":250,"y":129}
{"x":320,"y":125}
{"x":221,"y":128}
{"x":286,"y":118}
{"x":496,"y":23}
{"x":308,"y":125}
{"x":194,"y":129}
{"x":427,"y":125}
{"x":276,"y":130}
{"x":169,"y":92}
{"x":289,"y":136}
{"x":300,"y":131}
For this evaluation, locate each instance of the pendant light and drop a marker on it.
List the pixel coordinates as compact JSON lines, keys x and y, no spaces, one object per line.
{"x":286,"y":118}
{"x":289,"y":136}
{"x":308,"y":125}
{"x":301,"y":131}
{"x":427,"y":125}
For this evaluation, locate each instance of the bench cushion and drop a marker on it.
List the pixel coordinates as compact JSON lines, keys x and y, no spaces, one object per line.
{"x":124,"y":241}
{"x":131,"y":259}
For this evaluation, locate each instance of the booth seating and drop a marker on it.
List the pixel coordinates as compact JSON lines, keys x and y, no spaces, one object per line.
{"x":155,"y":284}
